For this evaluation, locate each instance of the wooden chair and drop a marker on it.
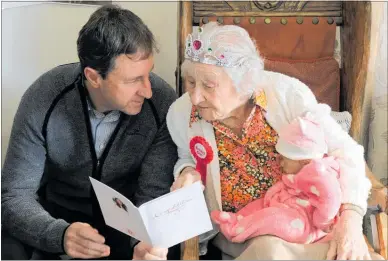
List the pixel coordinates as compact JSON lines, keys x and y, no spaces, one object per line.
{"x":296,"y":32}
{"x":382,"y":229}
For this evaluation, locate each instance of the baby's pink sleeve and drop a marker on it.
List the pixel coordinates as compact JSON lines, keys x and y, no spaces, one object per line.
{"x":319,"y":181}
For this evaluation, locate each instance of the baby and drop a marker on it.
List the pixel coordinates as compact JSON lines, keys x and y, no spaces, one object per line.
{"x":302,"y":207}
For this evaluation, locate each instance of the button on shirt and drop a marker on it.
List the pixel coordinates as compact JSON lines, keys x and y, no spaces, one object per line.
{"x":102,"y":126}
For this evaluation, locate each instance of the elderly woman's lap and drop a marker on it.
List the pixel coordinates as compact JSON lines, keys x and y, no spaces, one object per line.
{"x":273,"y":248}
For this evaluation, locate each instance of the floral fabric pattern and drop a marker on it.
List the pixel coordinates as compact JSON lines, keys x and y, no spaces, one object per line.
{"x":248,"y":164}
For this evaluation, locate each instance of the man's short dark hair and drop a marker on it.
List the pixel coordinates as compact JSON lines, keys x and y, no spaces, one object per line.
{"x":110,"y":32}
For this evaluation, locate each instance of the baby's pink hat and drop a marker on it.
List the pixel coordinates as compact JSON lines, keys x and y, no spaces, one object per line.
{"x":302,"y":139}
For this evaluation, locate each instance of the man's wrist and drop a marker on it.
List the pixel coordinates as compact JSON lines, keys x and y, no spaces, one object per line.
{"x":136,"y":242}
{"x":63,"y":239}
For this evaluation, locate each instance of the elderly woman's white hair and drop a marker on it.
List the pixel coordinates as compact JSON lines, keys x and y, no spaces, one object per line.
{"x":230,"y":47}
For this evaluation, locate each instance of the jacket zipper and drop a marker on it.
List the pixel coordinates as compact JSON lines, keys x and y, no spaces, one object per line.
{"x":99,"y":222}
{"x":97,"y":163}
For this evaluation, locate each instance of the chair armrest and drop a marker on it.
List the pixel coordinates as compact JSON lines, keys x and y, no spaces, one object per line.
{"x":382,"y":230}
{"x":190,"y":249}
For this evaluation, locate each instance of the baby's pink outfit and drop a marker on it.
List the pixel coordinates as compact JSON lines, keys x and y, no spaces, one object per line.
{"x":298,"y":209}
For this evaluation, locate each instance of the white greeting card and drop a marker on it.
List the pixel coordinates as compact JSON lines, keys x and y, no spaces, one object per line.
{"x":162,"y":222}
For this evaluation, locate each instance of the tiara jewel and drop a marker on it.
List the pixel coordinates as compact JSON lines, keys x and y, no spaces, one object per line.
{"x":206,"y":52}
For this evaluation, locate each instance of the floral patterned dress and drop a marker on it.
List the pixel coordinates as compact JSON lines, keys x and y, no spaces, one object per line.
{"x":248,"y":164}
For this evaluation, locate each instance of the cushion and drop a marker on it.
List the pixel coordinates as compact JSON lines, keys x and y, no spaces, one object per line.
{"x":322,"y":76}
{"x":290,"y":41}
{"x":343,"y":118}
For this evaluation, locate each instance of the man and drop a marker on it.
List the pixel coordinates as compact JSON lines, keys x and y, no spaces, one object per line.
{"x":103,"y":118}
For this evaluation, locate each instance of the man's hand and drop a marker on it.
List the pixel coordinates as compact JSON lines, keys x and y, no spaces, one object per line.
{"x":143,"y":251}
{"x":187,"y":177}
{"x":83,"y":241}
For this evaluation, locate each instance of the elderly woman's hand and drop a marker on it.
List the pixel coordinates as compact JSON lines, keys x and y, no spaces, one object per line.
{"x":143,"y":251}
{"x":348,"y":242}
{"x":187,"y":177}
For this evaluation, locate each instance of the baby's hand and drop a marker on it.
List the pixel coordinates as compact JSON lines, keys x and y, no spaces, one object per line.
{"x":222,"y":217}
{"x":227,"y":222}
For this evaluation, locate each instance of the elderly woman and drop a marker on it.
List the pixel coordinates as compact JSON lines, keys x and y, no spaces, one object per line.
{"x":225,"y":128}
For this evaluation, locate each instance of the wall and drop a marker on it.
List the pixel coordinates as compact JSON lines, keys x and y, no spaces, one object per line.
{"x":375,"y":119}
{"x":162,"y":19}
{"x":38,"y":37}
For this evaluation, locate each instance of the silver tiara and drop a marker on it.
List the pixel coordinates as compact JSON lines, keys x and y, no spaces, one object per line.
{"x":207,"y":52}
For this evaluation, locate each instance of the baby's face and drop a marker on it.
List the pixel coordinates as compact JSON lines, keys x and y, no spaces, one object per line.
{"x":290,"y":166}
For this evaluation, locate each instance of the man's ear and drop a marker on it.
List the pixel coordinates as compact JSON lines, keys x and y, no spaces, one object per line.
{"x":305,"y":162}
{"x":93,"y":77}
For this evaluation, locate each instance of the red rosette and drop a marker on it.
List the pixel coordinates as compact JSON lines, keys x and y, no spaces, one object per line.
{"x":203,"y":153}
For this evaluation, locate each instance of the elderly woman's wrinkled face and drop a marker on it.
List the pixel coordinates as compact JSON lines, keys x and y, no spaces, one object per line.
{"x":211,"y":90}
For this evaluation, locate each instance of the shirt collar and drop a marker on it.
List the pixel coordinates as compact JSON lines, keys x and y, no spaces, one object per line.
{"x":111,"y":116}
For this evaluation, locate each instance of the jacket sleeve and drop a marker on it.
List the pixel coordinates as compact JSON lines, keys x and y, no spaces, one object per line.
{"x":22,"y":216}
{"x":178,"y":118}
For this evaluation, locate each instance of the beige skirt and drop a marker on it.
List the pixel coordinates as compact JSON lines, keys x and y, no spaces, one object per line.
{"x":273,"y":248}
